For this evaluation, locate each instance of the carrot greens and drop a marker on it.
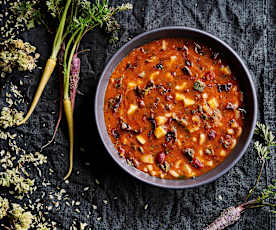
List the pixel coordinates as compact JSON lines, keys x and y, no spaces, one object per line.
{"x":75,"y":18}
{"x":267,"y":197}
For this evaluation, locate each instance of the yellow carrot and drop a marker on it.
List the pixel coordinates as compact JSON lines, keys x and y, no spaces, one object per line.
{"x":51,"y":63}
{"x":70,"y":123}
{"x":49,"y":68}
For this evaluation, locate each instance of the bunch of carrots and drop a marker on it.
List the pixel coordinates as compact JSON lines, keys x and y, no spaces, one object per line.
{"x":78,"y":17}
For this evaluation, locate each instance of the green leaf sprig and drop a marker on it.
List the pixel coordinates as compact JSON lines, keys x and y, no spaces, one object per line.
{"x":55,"y":7}
{"x":263,"y":149}
{"x":87,"y":17}
{"x":28,"y":12}
{"x":265,"y":133}
{"x":265,"y":198}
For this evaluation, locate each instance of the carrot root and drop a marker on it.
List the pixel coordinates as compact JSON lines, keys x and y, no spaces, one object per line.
{"x":70,"y":122}
{"x":60,"y":62}
{"x":74,"y":78}
{"x":49,"y":68}
{"x":59,"y":118}
{"x":228,"y":217}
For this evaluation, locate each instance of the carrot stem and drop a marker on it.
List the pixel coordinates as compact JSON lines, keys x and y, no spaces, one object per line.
{"x":67,"y":48}
{"x":69,"y":117}
{"x":59,"y":35}
{"x":49,"y":68}
{"x":257,"y":181}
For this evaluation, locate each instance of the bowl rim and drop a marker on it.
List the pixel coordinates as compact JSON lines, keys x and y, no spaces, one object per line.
{"x":252,"y":88}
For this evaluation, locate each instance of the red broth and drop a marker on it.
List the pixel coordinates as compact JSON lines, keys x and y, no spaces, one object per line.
{"x":173,"y":108}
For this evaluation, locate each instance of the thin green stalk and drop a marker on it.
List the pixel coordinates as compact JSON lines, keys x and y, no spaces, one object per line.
{"x":76,"y":10}
{"x":257,"y":181}
{"x":268,"y":204}
{"x":256,"y":206}
{"x":90,"y":28}
{"x":59,"y":35}
{"x":251,"y":202}
{"x":263,"y":204}
{"x":67,"y":49}
{"x":71,"y":15}
{"x":60,"y":27}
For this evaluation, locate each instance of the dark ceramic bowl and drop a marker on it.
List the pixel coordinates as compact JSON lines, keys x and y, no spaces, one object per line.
{"x":246,"y":86}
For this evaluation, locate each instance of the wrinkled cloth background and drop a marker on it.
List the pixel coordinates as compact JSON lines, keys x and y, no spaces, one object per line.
{"x":248,"y":27}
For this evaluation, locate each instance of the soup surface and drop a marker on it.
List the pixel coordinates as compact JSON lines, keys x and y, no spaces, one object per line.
{"x":173,"y":108}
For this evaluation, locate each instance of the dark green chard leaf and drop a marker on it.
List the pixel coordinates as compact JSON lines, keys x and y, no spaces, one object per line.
{"x":189,"y":153}
{"x":199,"y":86}
{"x":165,"y":166}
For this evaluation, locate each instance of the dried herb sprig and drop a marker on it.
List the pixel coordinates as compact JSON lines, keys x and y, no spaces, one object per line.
{"x":16,"y":217}
{"x":16,"y":54}
{"x":28,"y":12}
{"x":20,"y":218}
{"x":55,"y":7}
{"x":36,"y":12}
{"x":4,"y":206}
{"x":268,"y":195}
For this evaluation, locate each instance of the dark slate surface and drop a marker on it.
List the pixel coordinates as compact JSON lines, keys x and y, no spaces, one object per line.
{"x":249,"y":27}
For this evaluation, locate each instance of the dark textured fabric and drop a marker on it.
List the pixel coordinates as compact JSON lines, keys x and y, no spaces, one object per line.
{"x":248,"y":27}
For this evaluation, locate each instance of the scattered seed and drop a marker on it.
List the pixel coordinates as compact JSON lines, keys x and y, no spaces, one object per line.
{"x":77,"y":210}
{"x":77,"y":203}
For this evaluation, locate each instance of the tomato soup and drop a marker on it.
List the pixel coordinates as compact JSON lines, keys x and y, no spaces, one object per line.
{"x":173,"y":108}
